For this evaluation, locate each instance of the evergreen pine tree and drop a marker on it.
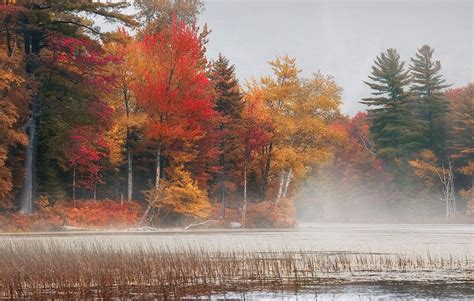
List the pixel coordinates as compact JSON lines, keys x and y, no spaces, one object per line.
{"x":394,"y":133}
{"x":430,"y":106}
{"x":228,"y":102}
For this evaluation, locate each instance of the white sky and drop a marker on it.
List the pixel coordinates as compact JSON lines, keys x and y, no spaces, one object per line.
{"x":340,"y":38}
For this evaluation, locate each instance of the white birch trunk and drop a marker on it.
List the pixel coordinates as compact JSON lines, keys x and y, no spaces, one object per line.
{"x":448,"y":194}
{"x":453,"y":192}
{"x":280,"y":188}
{"x":287,"y":183}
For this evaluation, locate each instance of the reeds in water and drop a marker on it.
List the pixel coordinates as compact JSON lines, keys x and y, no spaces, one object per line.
{"x":35,"y":269}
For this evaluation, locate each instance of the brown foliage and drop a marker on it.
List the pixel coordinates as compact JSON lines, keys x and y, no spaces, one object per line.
{"x":261,"y":215}
{"x":268,"y":214}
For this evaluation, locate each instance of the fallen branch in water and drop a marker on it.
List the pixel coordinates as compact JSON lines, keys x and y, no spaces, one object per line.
{"x":199,"y":224}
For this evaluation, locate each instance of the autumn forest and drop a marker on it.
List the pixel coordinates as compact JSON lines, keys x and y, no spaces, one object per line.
{"x":140,"y":127}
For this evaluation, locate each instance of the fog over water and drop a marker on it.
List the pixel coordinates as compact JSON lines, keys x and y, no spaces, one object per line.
{"x":403,"y":239}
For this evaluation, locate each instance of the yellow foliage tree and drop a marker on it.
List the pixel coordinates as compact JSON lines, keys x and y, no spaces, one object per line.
{"x":461,"y":124}
{"x":302,"y":110}
{"x":255,"y":133}
{"x":426,"y":168}
{"x":179,"y":194}
{"x":461,"y":117}
{"x":128,"y":118}
{"x":435,"y":177}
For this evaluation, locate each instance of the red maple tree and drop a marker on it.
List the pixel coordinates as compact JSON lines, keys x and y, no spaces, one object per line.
{"x":173,"y":89}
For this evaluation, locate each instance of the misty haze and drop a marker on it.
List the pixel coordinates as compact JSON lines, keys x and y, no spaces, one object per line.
{"x":236,"y":150}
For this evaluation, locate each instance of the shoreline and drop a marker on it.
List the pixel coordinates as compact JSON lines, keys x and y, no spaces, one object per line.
{"x":175,"y":230}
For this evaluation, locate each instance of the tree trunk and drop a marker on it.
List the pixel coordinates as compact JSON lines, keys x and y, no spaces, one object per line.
{"x":448,"y":194}
{"x":453,"y":192}
{"x":280,"y":188}
{"x":129,"y":175}
{"x":244,"y":205}
{"x":95,"y":190}
{"x":31,"y":46}
{"x":74,"y":186}
{"x":266,"y":171}
{"x":287,"y":183}
{"x":27,"y":197}
{"x":149,"y":212}
{"x":158,"y":167}
{"x":126,"y":97}
{"x":222,"y":179}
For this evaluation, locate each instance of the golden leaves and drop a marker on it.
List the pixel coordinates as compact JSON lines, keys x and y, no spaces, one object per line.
{"x":301,"y":110}
{"x":180,"y":194}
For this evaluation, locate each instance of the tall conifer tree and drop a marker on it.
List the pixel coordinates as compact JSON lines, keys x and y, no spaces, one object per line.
{"x":394,"y":133}
{"x":429,"y":101}
{"x":229,"y":103}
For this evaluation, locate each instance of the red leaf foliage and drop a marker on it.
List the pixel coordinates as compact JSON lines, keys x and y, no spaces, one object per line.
{"x":102,"y":214}
{"x":80,"y":60}
{"x":85,"y":214}
{"x":87,"y":148}
{"x":174,"y":90}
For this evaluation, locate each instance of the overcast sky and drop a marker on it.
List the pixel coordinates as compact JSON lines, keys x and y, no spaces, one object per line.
{"x":340,"y":38}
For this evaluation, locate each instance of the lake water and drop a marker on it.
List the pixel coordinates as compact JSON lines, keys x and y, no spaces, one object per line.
{"x":361,"y":292}
{"x":447,"y":242}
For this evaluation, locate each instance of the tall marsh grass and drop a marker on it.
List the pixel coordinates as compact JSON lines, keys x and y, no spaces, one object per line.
{"x":47,"y":269}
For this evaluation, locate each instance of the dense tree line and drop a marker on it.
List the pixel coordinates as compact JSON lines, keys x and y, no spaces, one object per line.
{"x":422,"y":131}
{"x":86,"y":114}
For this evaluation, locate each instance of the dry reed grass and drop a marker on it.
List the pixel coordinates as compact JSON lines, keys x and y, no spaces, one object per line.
{"x":46,"y":269}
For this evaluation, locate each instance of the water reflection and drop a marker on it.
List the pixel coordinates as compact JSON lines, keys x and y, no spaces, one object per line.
{"x":359,"y":292}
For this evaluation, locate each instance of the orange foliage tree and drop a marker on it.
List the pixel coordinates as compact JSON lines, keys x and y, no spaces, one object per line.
{"x":255,"y":133}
